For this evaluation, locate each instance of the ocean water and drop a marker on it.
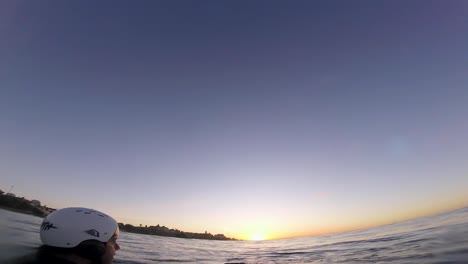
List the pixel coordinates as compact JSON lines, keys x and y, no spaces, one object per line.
{"x":440,"y":239}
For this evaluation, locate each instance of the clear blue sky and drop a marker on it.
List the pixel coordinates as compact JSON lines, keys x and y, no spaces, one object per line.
{"x":279,"y":118}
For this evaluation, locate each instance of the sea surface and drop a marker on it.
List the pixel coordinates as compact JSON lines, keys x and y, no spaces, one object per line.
{"x":440,"y":238}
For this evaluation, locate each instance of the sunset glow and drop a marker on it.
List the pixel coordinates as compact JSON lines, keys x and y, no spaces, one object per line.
{"x":257,"y":237}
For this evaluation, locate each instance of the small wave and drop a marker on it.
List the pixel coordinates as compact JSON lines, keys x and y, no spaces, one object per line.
{"x":127,"y":261}
{"x":364,"y":241}
{"x":170,"y":260}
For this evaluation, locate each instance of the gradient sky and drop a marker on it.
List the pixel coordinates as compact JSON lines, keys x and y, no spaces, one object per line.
{"x":282,"y":118}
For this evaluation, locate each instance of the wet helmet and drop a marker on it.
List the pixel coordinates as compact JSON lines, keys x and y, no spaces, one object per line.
{"x":68,"y":227}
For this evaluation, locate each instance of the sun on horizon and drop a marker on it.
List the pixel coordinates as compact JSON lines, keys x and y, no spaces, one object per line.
{"x":257,"y":237}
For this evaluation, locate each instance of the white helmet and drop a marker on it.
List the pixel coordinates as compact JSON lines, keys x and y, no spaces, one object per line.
{"x":68,"y":227}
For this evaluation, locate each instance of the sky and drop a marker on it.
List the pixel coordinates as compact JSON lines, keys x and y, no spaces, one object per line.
{"x":254,"y":119}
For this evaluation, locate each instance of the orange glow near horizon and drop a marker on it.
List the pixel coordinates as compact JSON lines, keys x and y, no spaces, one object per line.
{"x":345,"y":226}
{"x":272,"y":227}
{"x":257,"y":237}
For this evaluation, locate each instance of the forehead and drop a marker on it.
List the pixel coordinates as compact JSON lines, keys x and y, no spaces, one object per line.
{"x":116,"y":233}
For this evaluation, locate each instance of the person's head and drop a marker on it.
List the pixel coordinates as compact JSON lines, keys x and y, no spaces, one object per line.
{"x":80,"y":235}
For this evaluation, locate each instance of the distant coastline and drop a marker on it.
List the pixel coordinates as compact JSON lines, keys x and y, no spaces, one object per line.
{"x":165,"y":231}
{"x":9,"y":201}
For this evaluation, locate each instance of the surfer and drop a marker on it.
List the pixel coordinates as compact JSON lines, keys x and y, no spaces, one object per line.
{"x":76,"y":235}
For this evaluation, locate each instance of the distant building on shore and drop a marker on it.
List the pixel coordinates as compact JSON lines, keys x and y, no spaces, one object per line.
{"x":35,"y":203}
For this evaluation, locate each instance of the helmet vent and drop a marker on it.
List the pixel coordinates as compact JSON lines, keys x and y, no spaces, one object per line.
{"x":92,"y":232}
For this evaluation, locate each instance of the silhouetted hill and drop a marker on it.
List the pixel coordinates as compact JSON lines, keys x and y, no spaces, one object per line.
{"x":20,"y":205}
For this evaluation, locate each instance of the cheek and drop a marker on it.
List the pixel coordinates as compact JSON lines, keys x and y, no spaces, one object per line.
{"x":110,"y":249}
{"x":109,"y":255}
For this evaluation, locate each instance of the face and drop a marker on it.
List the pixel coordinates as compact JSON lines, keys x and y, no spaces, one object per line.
{"x":111,"y":248}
